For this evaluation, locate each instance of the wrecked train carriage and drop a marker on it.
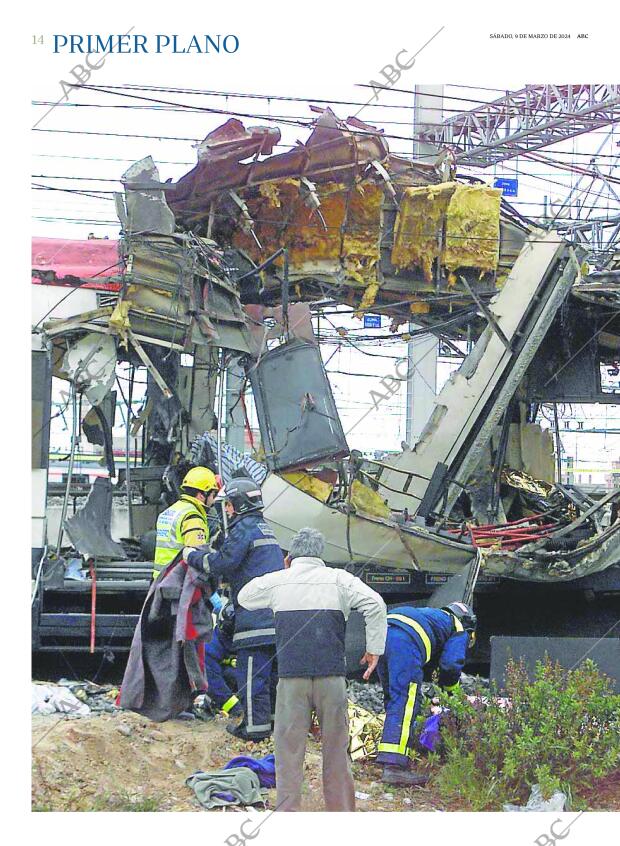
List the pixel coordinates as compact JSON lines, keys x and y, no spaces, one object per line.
{"x":166,"y":295}
{"x":376,"y":231}
{"x":465,"y":483}
{"x":360,"y":226}
{"x":178,"y":293}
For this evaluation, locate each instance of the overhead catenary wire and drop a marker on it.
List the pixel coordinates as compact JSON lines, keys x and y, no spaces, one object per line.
{"x":293,"y":121}
{"x":197,"y":140}
{"x":269,"y":97}
{"x":281,"y":98}
{"x":298,"y":120}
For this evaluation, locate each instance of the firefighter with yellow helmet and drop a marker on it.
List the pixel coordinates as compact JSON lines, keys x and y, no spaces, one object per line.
{"x":185,"y":522}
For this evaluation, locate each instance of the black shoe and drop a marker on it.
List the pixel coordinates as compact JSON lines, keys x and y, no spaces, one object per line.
{"x":239,"y":730}
{"x":257,"y":738}
{"x":402,"y":776}
{"x":236,"y":729}
{"x":185,"y":715}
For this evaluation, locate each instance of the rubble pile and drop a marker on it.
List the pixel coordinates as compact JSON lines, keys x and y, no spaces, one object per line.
{"x":100,"y":698}
{"x":74,"y":698}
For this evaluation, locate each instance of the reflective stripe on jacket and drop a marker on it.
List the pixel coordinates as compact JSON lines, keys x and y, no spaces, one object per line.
{"x":172,"y":525}
{"x":311,"y":603}
{"x":250,"y":550}
{"x":439,"y":636}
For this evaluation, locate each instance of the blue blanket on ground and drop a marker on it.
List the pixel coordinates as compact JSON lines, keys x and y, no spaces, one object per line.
{"x":265,"y":768}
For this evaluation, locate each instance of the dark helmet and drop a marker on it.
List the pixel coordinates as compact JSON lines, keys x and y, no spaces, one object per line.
{"x":464,"y":614}
{"x":244,"y":495}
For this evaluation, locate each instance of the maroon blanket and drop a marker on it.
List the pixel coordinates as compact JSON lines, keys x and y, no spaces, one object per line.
{"x":163,"y":673}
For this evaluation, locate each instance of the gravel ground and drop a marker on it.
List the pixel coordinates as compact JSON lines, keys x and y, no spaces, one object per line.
{"x":366,"y":695}
{"x":370,"y":696}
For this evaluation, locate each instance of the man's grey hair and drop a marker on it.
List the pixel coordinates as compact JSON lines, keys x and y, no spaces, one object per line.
{"x":307,"y":543}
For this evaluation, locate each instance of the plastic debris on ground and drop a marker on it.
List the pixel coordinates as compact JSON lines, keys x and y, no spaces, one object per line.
{"x":100,"y":698}
{"x":90,"y":698}
{"x":47,"y":699}
{"x":365,"y":730}
{"x":430,"y":732}
{"x":557,"y":802}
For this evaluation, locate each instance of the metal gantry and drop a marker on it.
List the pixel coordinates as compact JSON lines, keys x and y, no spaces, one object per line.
{"x":526,"y":120}
{"x":601,"y":238}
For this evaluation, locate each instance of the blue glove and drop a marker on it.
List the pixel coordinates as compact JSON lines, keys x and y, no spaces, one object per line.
{"x":216,"y":601}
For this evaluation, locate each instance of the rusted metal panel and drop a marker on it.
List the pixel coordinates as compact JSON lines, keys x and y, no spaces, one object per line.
{"x":331,"y":152}
{"x":335,"y":204}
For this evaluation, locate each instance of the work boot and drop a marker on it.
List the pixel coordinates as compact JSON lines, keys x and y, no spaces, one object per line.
{"x":239,"y":730}
{"x":403,"y":776}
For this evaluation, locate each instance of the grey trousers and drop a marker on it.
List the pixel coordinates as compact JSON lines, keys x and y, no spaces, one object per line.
{"x":296,"y":698}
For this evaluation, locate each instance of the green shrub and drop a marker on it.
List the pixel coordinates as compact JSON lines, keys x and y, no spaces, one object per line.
{"x":559,"y":730}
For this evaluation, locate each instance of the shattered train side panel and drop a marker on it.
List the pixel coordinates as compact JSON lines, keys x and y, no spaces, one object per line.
{"x":372,"y":540}
{"x":604,"y":553}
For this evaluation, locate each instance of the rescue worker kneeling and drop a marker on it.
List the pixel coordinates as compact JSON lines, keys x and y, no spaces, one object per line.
{"x":250,"y":550}
{"x":184,"y":523}
{"x":416,"y":637}
{"x":219,"y":652}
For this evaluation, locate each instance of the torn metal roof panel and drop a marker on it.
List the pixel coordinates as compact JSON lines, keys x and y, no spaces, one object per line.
{"x":145,"y":208}
{"x":350,"y":215}
{"x":331,"y":152}
{"x":234,"y":142}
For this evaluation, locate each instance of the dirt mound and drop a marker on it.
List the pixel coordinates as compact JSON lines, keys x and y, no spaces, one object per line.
{"x":124,"y":762}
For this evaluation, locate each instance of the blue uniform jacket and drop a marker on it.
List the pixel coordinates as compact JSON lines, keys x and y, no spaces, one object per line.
{"x":437,"y":635}
{"x":250,"y":550}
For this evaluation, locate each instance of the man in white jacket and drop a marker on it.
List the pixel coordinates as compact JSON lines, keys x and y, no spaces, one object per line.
{"x":311,"y":603}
